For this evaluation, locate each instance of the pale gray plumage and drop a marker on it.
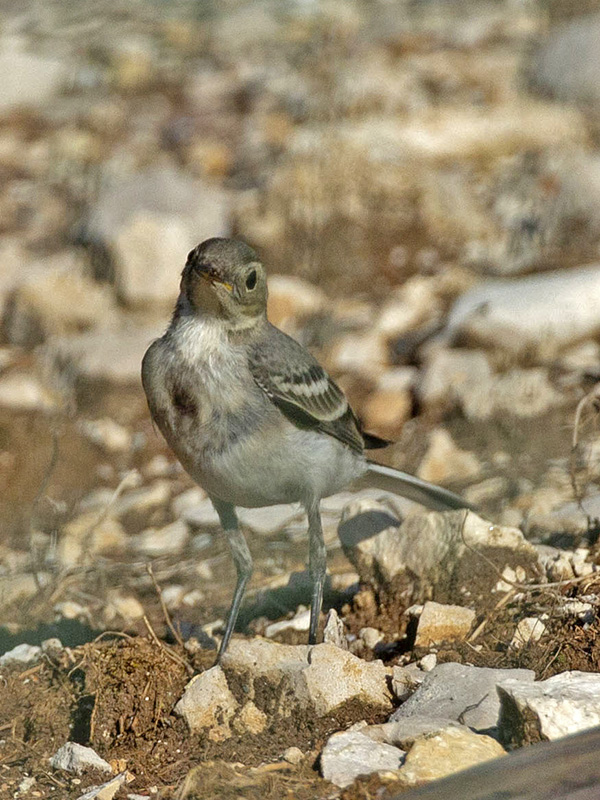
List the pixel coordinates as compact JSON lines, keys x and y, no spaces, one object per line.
{"x":251,"y":415}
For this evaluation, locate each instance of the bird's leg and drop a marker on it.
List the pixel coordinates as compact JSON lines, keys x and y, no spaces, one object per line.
{"x":243,"y":565}
{"x":317,"y":566}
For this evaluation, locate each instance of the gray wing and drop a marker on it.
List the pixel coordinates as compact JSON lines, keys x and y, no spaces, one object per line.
{"x":299,"y":386}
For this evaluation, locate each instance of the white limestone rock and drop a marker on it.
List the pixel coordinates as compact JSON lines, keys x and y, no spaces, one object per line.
{"x":350,"y":754}
{"x":74,"y":757}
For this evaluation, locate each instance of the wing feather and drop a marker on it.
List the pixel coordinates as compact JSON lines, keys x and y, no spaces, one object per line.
{"x":301,"y":389}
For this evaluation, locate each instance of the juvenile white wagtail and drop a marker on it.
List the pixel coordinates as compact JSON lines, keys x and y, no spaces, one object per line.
{"x":252,"y":416}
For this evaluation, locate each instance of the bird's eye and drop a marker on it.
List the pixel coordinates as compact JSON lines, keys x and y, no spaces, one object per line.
{"x":251,"y":280}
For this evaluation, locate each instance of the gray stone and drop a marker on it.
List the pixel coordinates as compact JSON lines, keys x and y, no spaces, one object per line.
{"x":74,"y":757}
{"x":463,"y":693}
{"x":169,"y":540}
{"x":334,"y":631}
{"x":350,"y":754}
{"x":538,"y":315}
{"x":443,"y":623}
{"x":426,"y":549}
{"x":21,"y":654}
{"x":563,"y":704}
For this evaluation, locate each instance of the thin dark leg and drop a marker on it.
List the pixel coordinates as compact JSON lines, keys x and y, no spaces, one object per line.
{"x":317,"y":566}
{"x":243,"y":565}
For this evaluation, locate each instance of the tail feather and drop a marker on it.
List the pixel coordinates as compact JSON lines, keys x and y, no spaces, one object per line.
{"x":393,"y":480}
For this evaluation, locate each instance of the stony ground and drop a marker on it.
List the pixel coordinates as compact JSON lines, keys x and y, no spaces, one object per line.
{"x":422,"y":181}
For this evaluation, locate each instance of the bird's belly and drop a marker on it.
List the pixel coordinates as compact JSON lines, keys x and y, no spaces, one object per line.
{"x":290,"y":466}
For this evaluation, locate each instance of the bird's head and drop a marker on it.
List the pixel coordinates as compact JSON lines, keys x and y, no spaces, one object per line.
{"x":223,"y":278}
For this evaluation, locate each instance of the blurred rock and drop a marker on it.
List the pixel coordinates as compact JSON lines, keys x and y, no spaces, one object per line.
{"x":371,"y":637}
{"x":20,"y":391}
{"x":385,"y":411}
{"x":88,"y":535}
{"x":107,"y":434}
{"x":412,"y":306}
{"x":444,"y":753}
{"x":427,"y":550}
{"x":126,"y":606}
{"x":207,"y":703}
{"x":73,"y":757}
{"x":362,"y":354}
{"x":292,"y":300}
{"x":461,"y":692}
{"x":104,"y":356}
{"x":350,"y":754}
{"x":250,"y":719}
{"x":444,"y":461}
{"x":566,"y":65}
{"x":54,"y":297}
{"x":26,"y":78}
{"x":535,"y":317}
{"x":148,"y":222}
{"x":452,"y":377}
{"x":169,"y":540}
{"x":442,"y":623}
{"x":550,"y":709}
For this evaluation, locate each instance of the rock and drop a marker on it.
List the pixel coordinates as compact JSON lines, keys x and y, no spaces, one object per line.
{"x":149,"y":221}
{"x":22,"y":392}
{"x":299,"y":622}
{"x":74,"y":757}
{"x":561,"y":705}
{"x":55,"y":297}
{"x":107,"y":434}
{"x":350,"y":754}
{"x":16,"y":588}
{"x":405,"y":732}
{"x":444,"y":753}
{"x":529,"y":630}
{"x":187,"y":500}
{"x":104,"y":356}
{"x":89,"y":535}
{"x":385,"y":411}
{"x":536,"y":317}
{"x":293,"y":755}
{"x":108,"y":790}
{"x":428,"y":662}
{"x":334,"y":631}
{"x":427,"y":549}
{"x":271,"y":519}
{"x":442,"y":623}
{"x":201,"y":515}
{"x":27,"y":78}
{"x":444,"y":461}
{"x":461,"y":692}
{"x":169,"y":540}
{"x":321,"y":678}
{"x":452,"y":377}
{"x":566,"y":65}
{"x":207,"y":703}
{"x":126,"y":606}
{"x":412,"y":306}
{"x":362,"y":354}
{"x":455,"y":380}
{"x":292,"y":301}
{"x":371,"y":637}
{"x":21,"y":654}
{"x":251,"y":719}
{"x":143,"y":500}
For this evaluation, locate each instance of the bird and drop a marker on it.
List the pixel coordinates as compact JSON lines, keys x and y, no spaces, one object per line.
{"x":253,"y":417}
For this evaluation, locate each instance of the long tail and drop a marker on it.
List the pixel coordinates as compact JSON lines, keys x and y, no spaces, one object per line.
{"x":393,"y":480}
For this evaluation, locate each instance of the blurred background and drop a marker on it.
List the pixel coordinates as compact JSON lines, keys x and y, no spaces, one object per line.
{"x":422,"y":180}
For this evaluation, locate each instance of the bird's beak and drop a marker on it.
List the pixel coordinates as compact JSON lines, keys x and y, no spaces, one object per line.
{"x":212,"y":279}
